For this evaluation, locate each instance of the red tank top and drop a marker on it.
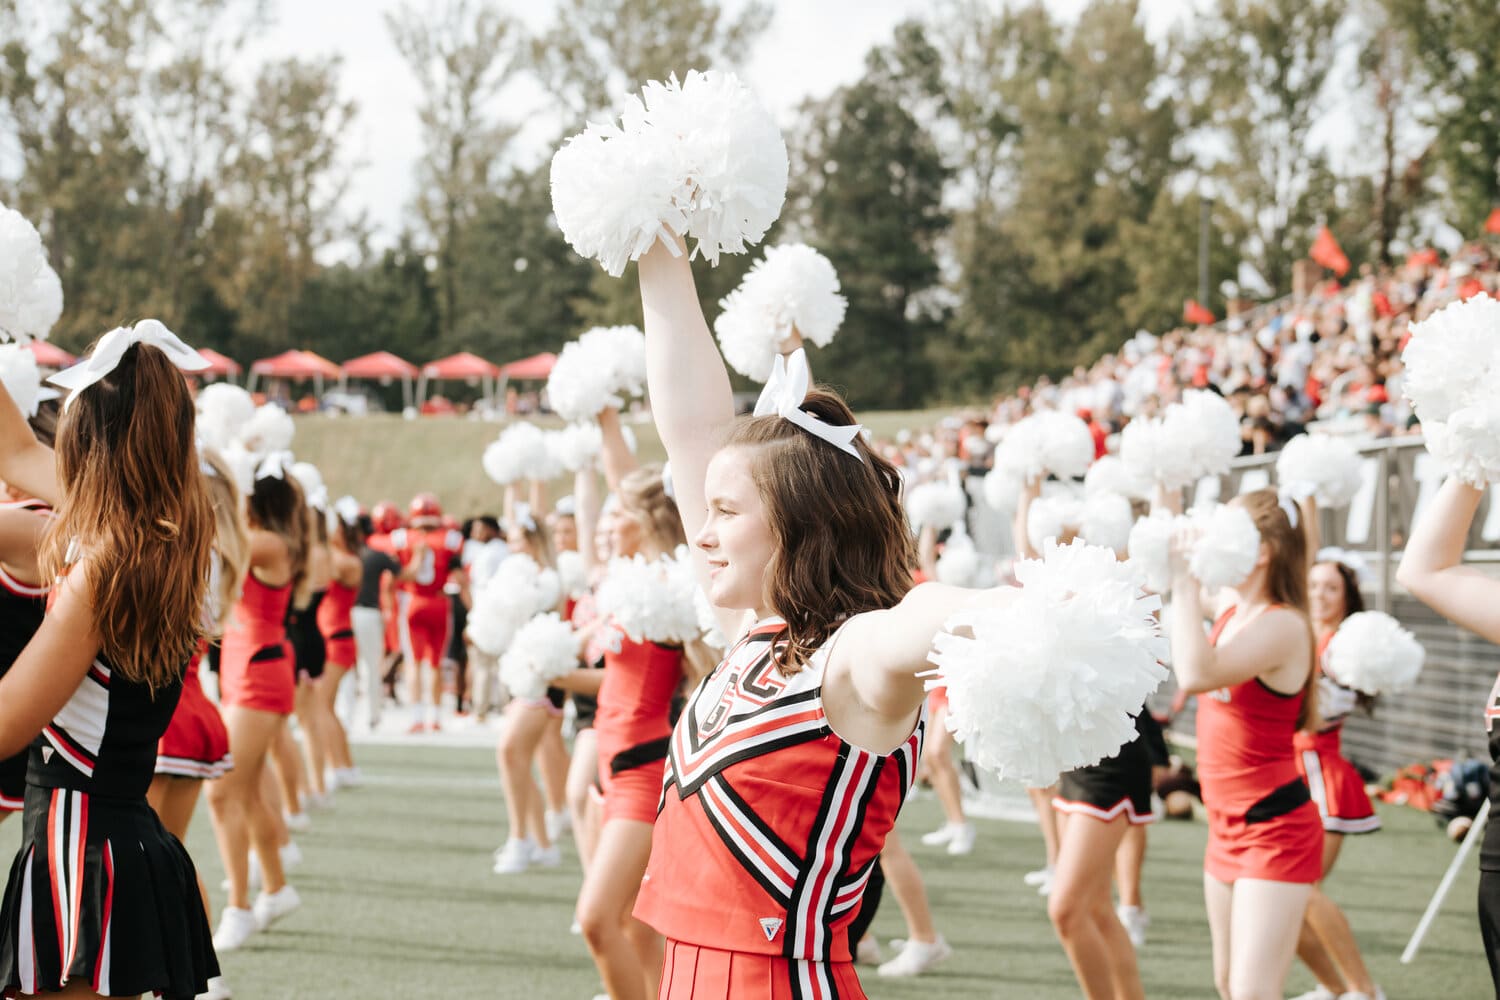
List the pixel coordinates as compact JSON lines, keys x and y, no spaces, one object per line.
{"x":259,"y":617}
{"x":635,"y":696}
{"x":1244,"y":739}
{"x":333,"y":610}
{"x":444,"y":546}
{"x":770,"y":824}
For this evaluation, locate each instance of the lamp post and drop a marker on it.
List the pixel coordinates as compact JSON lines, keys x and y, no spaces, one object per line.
{"x":1205,"y":211}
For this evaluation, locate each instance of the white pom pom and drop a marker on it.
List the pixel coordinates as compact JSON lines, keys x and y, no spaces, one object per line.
{"x":270,"y":429}
{"x":1046,"y":443}
{"x":1053,"y":515}
{"x":962,"y":565}
{"x":1002,"y":489}
{"x":652,"y":600}
{"x":518,"y":591}
{"x":1150,"y":548}
{"x":521,"y":452}
{"x":1151,"y":450}
{"x":1207,"y":421}
{"x":242,"y":464}
{"x":571,"y":575}
{"x":1106,"y":520}
{"x":1468,"y":445}
{"x":600,"y":370}
{"x":1452,"y":358}
{"x":708,"y":621}
{"x":30,"y":293}
{"x":1372,"y":653}
{"x":576,"y":445}
{"x":1226,"y":551}
{"x":22,"y":379}
{"x":1321,"y":466}
{"x":936,"y":505}
{"x":1051,"y":681}
{"x":224,"y":413}
{"x":311,"y":481}
{"x":794,"y":289}
{"x":542,"y":650}
{"x":1110,"y":474}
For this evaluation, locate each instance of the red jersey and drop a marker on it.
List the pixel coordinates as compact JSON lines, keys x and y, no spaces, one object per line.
{"x":1245,"y":737}
{"x":444,"y":546}
{"x":770,"y":824}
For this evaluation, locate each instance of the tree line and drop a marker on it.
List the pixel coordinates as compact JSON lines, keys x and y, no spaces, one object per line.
{"x":1003,"y":193}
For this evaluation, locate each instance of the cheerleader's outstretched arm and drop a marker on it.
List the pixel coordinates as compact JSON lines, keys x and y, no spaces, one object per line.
{"x":614,"y":453}
{"x":51,"y":667}
{"x":1432,"y":565}
{"x":691,"y":400}
{"x":25,"y":462}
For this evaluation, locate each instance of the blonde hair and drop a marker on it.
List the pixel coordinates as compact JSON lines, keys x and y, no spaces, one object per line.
{"x":231,"y":537}
{"x":643,"y":493}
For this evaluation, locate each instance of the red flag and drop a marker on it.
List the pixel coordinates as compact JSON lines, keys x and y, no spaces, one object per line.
{"x":1426,"y":257}
{"x":1492,"y":224}
{"x":1194,"y":312}
{"x":1327,"y":252}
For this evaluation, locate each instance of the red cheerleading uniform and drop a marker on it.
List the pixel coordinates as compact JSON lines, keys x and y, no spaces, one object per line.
{"x":1336,"y":787}
{"x":428,"y":612}
{"x":334,"y":624}
{"x":1261,"y":820}
{"x":256,"y":666}
{"x":196,"y":744}
{"x":769,"y":828}
{"x":633,"y":726}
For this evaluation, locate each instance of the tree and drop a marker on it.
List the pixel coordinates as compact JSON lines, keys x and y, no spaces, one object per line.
{"x":597,"y":50}
{"x":1257,"y":69}
{"x":463,"y":56}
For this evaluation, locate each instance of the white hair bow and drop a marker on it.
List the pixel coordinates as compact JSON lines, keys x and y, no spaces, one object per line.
{"x":274,"y":466}
{"x":522,"y":516}
{"x":347,"y":508}
{"x":1353,"y":560}
{"x":784,"y":395}
{"x":112,"y":347}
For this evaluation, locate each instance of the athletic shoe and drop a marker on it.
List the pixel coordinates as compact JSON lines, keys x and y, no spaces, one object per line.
{"x":963,"y":839}
{"x":558,"y":823}
{"x":1045,"y":889}
{"x":312,"y":800}
{"x":1135,"y":921}
{"x":272,"y":906}
{"x":868,"y":952}
{"x":515,"y":856}
{"x":1321,"y":992}
{"x":291,"y":855}
{"x":417,"y":728}
{"x":546,"y":857}
{"x":1038,"y":877}
{"x":217,"y":990}
{"x":942,"y":835}
{"x":236,"y":926}
{"x":298,"y":822}
{"x":349,"y":777}
{"x":575,"y":929}
{"x":916,"y":957}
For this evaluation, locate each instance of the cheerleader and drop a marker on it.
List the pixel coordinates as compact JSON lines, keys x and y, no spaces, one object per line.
{"x":789,"y":764}
{"x":1432,"y":570}
{"x":258,"y":685}
{"x":311,"y":656}
{"x":1256,"y":684}
{"x":195,"y":746}
{"x":335,"y":624}
{"x":102,"y":900}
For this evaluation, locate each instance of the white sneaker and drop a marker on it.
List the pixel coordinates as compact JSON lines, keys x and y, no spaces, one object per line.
{"x":1038,"y":877}
{"x":557,"y":823}
{"x":1135,"y":921}
{"x":942,"y":835}
{"x":576,"y":929}
{"x":298,"y":822}
{"x":916,"y":957}
{"x":217,"y":990}
{"x":349,"y":777}
{"x":546,"y":857}
{"x":868,"y":951}
{"x":1045,"y":889}
{"x":291,"y":855}
{"x":272,"y":906}
{"x":236,"y":926}
{"x":515,"y":856}
{"x":963,"y":839}
{"x":1321,"y":992}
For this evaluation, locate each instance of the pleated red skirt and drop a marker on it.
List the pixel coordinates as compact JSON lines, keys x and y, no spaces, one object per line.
{"x":695,"y":973}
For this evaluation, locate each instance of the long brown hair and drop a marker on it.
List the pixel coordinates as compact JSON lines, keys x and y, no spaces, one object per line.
{"x":643,"y":493}
{"x":135,"y":506}
{"x":1354,"y":603}
{"x":843,"y":546}
{"x":277,"y":505}
{"x":1286,"y":579}
{"x":231,"y":537}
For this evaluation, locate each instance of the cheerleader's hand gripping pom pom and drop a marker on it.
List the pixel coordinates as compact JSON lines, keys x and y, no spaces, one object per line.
{"x":22,"y":379}
{"x":1052,"y":680}
{"x":794,"y":290}
{"x":1451,"y":364}
{"x":598,"y":371}
{"x":1227,"y":546}
{"x":31,"y":298}
{"x":541,"y":651}
{"x":702,"y":158}
{"x":652,"y":600}
{"x":1046,"y":443}
{"x":1372,"y":653}
{"x":935,"y":505}
{"x":1321,"y":466}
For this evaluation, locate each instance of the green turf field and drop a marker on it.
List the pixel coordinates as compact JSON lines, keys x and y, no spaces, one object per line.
{"x":399,"y":902}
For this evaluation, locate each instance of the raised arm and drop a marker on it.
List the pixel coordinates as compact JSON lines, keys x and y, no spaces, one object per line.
{"x":25,"y":462}
{"x":1432,"y":565}
{"x":614,"y":452}
{"x":586,"y":504}
{"x":691,"y":401}
{"x":1020,"y":534}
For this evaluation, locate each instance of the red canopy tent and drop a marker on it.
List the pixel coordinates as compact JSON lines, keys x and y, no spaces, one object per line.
{"x":294,"y":365}
{"x":219,"y":365}
{"x":538,"y":366}
{"x":50,"y":355}
{"x":382,"y":366}
{"x":460,"y":367}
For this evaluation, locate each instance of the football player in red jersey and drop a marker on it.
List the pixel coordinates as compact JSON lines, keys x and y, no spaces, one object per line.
{"x":427,"y":614}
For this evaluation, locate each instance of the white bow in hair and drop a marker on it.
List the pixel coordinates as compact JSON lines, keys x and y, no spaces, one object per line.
{"x":1353,"y":560}
{"x":522,"y":516}
{"x":784,"y":395}
{"x":112,"y":347}
{"x":274,"y":466}
{"x":347,"y":508}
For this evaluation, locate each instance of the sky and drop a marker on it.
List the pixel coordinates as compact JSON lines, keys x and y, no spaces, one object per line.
{"x":811,"y":48}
